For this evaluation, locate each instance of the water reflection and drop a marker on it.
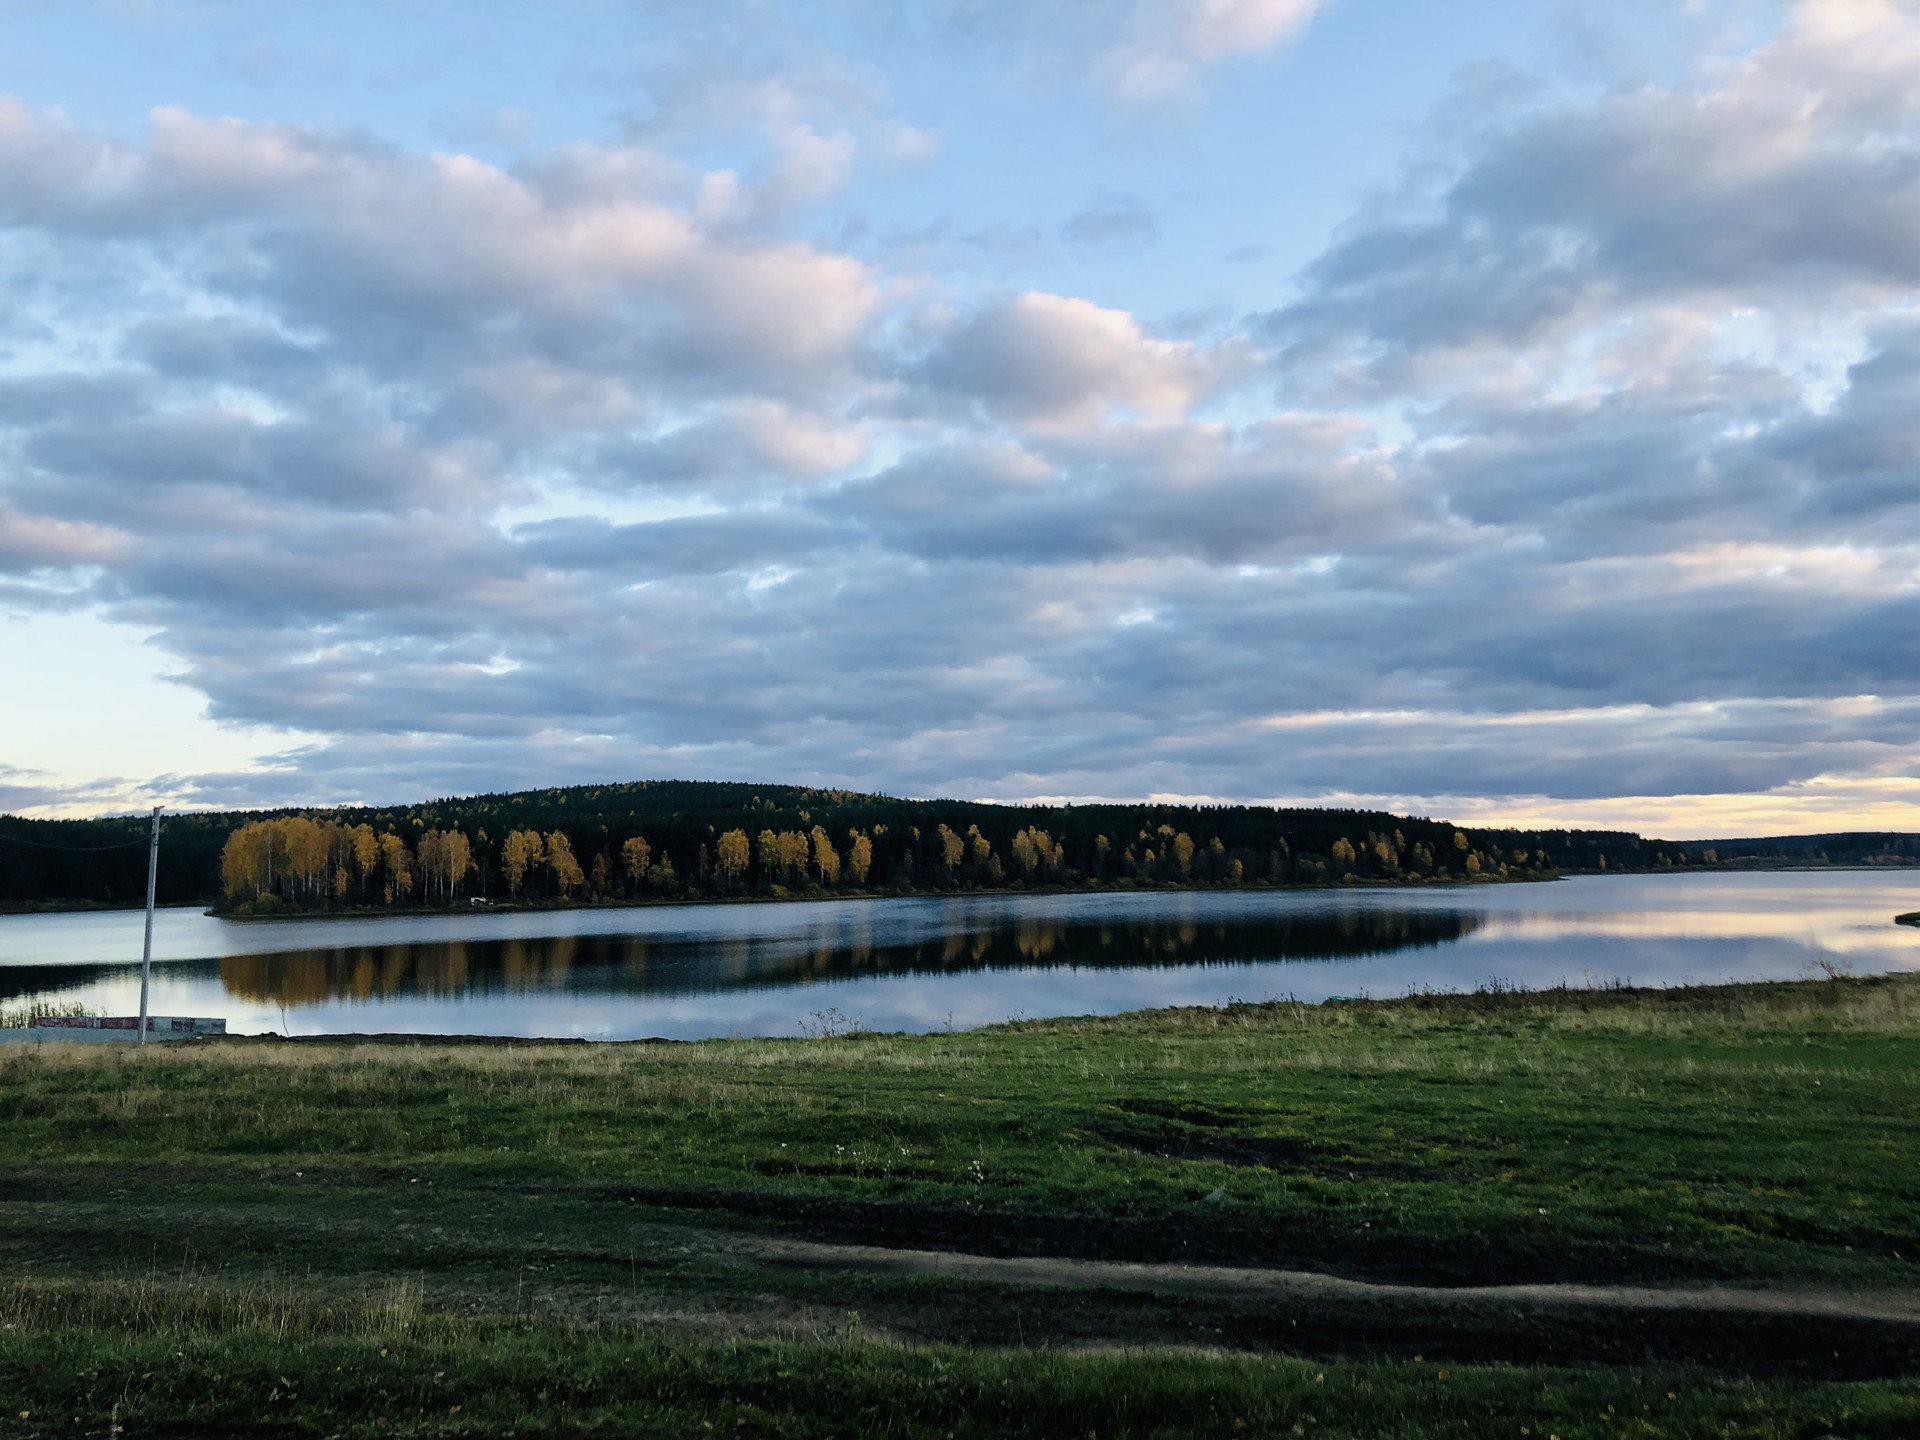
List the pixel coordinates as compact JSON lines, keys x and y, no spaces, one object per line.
{"x":688,"y":971}
{"x":667,"y":965}
{"x":51,"y":982}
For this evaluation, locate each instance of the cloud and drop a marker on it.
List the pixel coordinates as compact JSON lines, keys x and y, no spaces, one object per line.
{"x":1582,"y":466}
{"x":1169,"y":42}
{"x":35,"y":542}
{"x":1113,"y":223}
{"x":1786,"y":179}
{"x":749,"y":442}
{"x":1065,"y":362}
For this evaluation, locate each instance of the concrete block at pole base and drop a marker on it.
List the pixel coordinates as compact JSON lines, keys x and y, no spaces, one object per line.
{"x":111,"y":1029}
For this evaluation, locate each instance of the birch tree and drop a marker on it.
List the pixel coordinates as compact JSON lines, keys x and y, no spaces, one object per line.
{"x":826,"y":859}
{"x":519,"y":853}
{"x":567,"y":873}
{"x":731,"y":853}
{"x":634,"y":855}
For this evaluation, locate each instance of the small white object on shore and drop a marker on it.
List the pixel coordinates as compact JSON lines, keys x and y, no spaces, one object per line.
{"x":110,"y":1029}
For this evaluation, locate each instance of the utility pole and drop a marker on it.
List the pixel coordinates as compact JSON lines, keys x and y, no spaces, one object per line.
{"x":146,"y":950}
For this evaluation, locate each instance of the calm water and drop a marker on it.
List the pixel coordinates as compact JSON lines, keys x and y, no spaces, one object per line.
{"x":928,"y":963}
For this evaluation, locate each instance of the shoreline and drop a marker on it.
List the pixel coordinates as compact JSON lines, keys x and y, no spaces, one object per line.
{"x":510,"y":907}
{"x":497,"y":907}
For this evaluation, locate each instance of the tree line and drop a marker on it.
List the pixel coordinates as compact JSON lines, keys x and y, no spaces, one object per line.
{"x":682,"y":841}
{"x":695,"y":839}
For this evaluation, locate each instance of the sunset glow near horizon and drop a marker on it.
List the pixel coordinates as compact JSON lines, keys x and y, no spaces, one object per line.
{"x":1502,"y":412}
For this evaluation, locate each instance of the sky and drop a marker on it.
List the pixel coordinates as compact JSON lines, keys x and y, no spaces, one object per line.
{"x":1502,"y":411}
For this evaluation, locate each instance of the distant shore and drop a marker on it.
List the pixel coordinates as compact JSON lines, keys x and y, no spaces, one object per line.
{"x":490,"y":906}
{"x":814,"y":894}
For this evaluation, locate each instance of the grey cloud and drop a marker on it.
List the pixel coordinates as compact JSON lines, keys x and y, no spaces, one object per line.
{"x":1113,"y":222}
{"x":1864,"y":454}
{"x":1796,"y":172}
{"x":1062,"y":361}
{"x":356,"y":468}
{"x":758,"y":444}
{"x":743,"y":541}
{"x":1271,"y":498}
{"x":55,"y":397}
{"x":221,"y":348}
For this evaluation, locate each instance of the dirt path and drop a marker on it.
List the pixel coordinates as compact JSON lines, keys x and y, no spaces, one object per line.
{"x":1298,"y":1285}
{"x":1818,"y":1332}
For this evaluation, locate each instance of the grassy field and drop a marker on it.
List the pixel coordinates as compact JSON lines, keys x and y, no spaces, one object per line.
{"x":470,"y":1238}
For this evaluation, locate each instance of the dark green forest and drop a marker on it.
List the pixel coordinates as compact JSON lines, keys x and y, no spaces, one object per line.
{"x":676,"y":839}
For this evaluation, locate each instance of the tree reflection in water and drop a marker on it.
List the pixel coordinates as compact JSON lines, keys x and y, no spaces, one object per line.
{"x":640,"y":964}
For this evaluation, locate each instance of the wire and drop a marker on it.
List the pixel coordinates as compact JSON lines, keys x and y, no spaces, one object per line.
{"x":72,"y":849}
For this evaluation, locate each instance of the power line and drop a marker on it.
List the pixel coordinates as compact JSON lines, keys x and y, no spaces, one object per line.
{"x":72,"y":849}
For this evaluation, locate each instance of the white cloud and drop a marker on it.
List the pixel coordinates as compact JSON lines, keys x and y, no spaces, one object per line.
{"x":1169,"y":42}
{"x":1066,"y":363}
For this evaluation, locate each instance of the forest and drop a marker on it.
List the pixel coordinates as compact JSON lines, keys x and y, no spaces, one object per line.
{"x":690,"y":840}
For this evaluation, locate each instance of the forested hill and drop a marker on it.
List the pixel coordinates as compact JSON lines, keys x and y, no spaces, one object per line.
{"x":676,"y":838}
{"x":1854,"y":847}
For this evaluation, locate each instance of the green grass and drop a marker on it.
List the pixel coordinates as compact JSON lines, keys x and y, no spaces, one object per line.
{"x":586,"y":1214}
{"x":148,"y":1363}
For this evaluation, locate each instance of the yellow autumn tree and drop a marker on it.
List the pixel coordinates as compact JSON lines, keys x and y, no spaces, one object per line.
{"x":398,"y":863}
{"x":826,"y":859}
{"x":634,"y":855}
{"x":305,"y":844}
{"x":979,"y":850}
{"x":249,"y":859}
{"x":859,"y":857}
{"x":795,"y":850}
{"x":1034,"y":850}
{"x":365,"y":848}
{"x":1023,"y":851}
{"x":458,"y":862}
{"x":1183,"y":854}
{"x":567,"y":873}
{"x":953,"y":849}
{"x":445,"y":858}
{"x":731,"y":854}
{"x":519,"y":853}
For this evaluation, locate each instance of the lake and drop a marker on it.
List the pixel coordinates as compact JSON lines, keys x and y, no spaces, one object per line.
{"x":928,"y":963}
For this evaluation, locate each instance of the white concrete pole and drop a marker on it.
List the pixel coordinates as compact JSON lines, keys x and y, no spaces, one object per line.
{"x":146,"y":950}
